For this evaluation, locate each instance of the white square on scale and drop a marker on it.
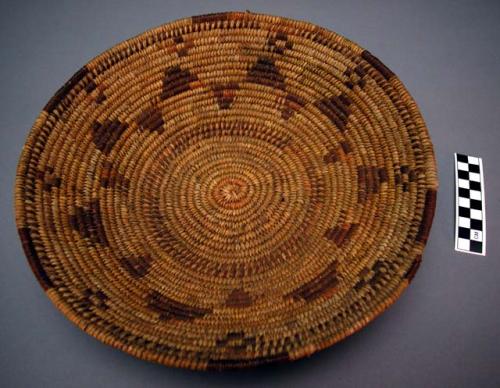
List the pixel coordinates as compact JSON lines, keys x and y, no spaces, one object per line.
{"x":464,"y":222}
{"x":463,"y":244}
{"x":463,"y":183}
{"x":463,"y":202}
{"x":473,"y":160}
{"x":476,"y":214}
{"x":474,"y":176}
{"x":475,"y":194}
{"x":476,"y":235}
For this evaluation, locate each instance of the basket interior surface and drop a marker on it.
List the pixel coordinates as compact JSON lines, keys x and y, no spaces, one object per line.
{"x":227,"y":190}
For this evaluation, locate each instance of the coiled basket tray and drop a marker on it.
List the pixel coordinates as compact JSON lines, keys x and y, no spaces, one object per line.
{"x":227,"y":190}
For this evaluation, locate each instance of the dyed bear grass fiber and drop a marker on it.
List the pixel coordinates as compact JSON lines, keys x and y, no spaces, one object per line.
{"x":227,"y":190}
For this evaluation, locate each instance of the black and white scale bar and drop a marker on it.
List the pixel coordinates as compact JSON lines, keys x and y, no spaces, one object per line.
{"x":470,"y":216}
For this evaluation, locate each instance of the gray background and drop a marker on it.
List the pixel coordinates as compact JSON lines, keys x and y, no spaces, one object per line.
{"x":445,"y":329}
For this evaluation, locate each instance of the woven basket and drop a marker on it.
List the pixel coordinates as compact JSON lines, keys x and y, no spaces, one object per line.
{"x":227,"y":190}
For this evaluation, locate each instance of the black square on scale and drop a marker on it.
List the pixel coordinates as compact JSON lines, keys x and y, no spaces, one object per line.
{"x":476,"y":246}
{"x":464,"y":193}
{"x":475,"y":204}
{"x":476,"y":224}
{"x":474,"y":168}
{"x":463,"y":212}
{"x":464,"y":233}
{"x":475,"y":185}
